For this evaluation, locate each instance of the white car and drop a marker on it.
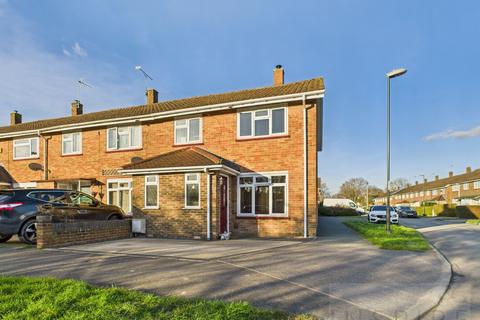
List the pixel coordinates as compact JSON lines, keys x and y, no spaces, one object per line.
{"x":343,"y":203}
{"x":379,"y":214}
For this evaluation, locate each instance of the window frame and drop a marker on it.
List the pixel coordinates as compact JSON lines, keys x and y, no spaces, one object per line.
{"x":80,"y":144}
{"x":456,"y":187}
{"x":197,"y":181}
{"x":187,"y":125}
{"x":269,"y":116}
{"x":118,"y":189}
{"x":476,"y":184}
{"x":270,"y":185}
{"x":130,"y":147}
{"x":34,"y":156}
{"x":467,"y":186}
{"x":155,"y":183}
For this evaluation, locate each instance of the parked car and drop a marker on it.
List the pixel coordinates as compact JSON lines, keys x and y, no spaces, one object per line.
{"x":379,"y":214}
{"x":19,"y":208}
{"x":343,"y":203}
{"x":406,"y":212}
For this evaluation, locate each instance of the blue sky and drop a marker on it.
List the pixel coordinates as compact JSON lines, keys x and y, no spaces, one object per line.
{"x":201,"y":47}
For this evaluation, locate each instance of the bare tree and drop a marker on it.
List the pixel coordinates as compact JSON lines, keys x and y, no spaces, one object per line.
{"x":354,"y":189}
{"x":324,"y":191}
{"x":399,"y":184}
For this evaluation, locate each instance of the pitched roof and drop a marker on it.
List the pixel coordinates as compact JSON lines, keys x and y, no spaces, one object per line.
{"x":186,"y":157}
{"x":440,"y":183}
{"x":264,"y":92}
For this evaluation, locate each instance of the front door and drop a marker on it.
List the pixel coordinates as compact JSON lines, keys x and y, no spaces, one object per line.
{"x":223,"y":204}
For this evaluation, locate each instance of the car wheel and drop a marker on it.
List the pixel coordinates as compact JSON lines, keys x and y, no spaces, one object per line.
{"x":28,"y":233}
{"x":5,"y":238}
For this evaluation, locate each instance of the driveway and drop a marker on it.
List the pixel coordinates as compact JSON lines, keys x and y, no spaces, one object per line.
{"x":460,"y":243}
{"x":337,"y":276}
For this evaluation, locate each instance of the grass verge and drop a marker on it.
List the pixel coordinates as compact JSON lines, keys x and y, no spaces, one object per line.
{"x":49,"y":298}
{"x":401,"y":238}
{"x":473,"y":221}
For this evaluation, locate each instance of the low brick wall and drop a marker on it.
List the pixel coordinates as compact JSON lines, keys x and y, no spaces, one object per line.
{"x":51,"y":234}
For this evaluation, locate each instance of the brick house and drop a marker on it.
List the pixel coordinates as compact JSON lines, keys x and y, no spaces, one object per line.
{"x":460,"y":189}
{"x":241,"y":162}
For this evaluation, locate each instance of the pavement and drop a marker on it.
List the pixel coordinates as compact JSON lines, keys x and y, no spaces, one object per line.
{"x":460,"y":243}
{"x":337,"y":276}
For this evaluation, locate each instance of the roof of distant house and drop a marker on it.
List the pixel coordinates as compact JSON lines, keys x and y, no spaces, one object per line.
{"x":133,"y":111}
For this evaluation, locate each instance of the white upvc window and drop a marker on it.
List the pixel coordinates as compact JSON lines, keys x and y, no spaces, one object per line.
{"x":465,"y":186}
{"x":264,"y":194}
{"x":192,"y":191}
{"x":456,"y":187}
{"x":119,"y":193}
{"x":124,"y":138}
{"x":434,"y":192}
{"x":262,"y":123}
{"x":429,"y":193}
{"x":421,"y":193}
{"x":188,"y":131}
{"x":152,"y":193}
{"x":26,"y":148}
{"x":476,"y":185}
{"x":72,"y":143}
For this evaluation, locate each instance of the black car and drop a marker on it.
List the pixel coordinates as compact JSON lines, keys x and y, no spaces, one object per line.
{"x":406,"y":212}
{"x":19,"y":207}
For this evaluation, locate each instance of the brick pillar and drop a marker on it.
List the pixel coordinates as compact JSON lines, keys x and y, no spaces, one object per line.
{"x":44,"y":231}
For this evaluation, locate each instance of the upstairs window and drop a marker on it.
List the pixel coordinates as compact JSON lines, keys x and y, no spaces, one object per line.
{"x":25,"y":148}
{"x":465,"y":186}
{"x":456,"y":187}
{"x":261,"y":123}
{"x":188,"y":131}
{"x":124,"y":138}
{"x":72,"y":143}
{"x":476,"y":185}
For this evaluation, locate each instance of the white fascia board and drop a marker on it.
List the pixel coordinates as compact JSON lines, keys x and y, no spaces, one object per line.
{"x":177,"y":169}
{"x":173,"y":113}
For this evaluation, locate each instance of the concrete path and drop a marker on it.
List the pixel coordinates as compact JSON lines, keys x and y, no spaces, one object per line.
{"x":338,"y":276}
{"x":460,"y":243}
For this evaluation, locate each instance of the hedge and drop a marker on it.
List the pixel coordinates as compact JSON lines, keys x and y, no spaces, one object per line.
{"x":337,"y":211}
{"x":450,"y":210}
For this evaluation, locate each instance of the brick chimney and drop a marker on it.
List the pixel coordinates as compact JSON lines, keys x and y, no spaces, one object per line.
{"x":425,"y":180}
{"x":450,"y":174}
{"x":278,"y":75}
{"x":152,"y":96}
{"x":77,"y":108}
{"x":15,"y":118}
{"x":468,"y":170}
{"x":416,"y":183}
{"x":436,"y":177}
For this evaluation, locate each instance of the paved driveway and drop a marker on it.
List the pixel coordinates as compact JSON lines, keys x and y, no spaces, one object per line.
{"x":337,"y":276}
{"x":460,"y":243}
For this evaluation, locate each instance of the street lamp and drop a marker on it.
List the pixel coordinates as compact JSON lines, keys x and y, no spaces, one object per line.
{"x":390,"y":75}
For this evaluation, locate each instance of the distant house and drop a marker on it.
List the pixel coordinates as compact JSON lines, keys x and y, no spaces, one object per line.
{"x":461,"y":189}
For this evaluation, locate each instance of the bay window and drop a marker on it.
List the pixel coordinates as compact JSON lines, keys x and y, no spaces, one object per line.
{"x":264,"y":194}
{"x":192,"y":191}
{"x":188,"y":131}
{"x":121,"y":138}
{"x":151,"y":192}
{"x":72,"y":143}
{"x":260,"y":123}
{"x":25,"y":148}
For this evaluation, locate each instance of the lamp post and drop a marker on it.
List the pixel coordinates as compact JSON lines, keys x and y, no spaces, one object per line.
{"x":390,"y":75}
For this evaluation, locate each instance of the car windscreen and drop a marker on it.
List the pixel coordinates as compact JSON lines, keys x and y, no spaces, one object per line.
{"x":5,"y":196}
{"x":381,"y":208}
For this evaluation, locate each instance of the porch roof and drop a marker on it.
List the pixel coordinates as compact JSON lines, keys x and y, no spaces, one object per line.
{"x":182,"y":159}
{"x":5,"y":177}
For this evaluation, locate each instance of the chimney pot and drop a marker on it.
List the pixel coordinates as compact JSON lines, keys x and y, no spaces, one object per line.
{"x":416,"y":182}
{"x":77,"y":108}
{"x":15,"y":118}
{"x":450,"y":174}
{"x":468,"y":170}
{"x":278,"y":75}
{"x":425,"y":180}
{"x":152,"y":96}
{"x":436,"y":177}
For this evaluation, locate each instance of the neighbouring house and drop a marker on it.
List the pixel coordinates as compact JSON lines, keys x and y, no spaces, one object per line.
{"x":243,"y":163}
{"x":461,"y":189}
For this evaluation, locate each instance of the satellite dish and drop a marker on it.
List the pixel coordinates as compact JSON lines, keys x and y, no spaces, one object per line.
{"x":35,"y":166}
{"x":136,"y":159}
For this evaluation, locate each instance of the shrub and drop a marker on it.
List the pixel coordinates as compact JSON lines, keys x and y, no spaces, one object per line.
{"x":468,"y":212}
{"x":337,"y":211}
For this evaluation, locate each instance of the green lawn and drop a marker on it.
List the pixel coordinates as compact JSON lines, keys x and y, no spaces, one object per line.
{"x":49,"y":298}
{"x":473,"y":221}
{"x":401,"y":238}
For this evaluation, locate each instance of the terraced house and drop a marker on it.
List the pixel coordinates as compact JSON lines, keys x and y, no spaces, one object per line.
{"x":242,"y":163}
{"x":461,"y":189}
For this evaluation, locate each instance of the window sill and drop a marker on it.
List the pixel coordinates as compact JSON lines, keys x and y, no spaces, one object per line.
{"x":192,"y":208}
{"x":151,"y":208}
{"x":72,"y":154}
{"x":263,"y":137}
{"x":123,"y":150}
{"x":263,"y":216}
{"x":187,"y":144}
{"x":29,"y":158}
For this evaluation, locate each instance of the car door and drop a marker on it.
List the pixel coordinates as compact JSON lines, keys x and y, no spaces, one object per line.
{"x":86,"y":207}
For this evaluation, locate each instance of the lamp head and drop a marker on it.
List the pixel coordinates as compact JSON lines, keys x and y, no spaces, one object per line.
{"x":396,"y":73}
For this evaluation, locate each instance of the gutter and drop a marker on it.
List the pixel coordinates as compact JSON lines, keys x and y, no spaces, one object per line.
{"x":167,"y":114}
{"x":209,"y":213}
{"x":178,"y":169}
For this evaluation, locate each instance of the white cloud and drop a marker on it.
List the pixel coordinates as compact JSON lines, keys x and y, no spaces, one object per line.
{"x":66,"y":52}
{"x":78,"y":50}
{"x":41,"y":84}
{"x":454,"y":134}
